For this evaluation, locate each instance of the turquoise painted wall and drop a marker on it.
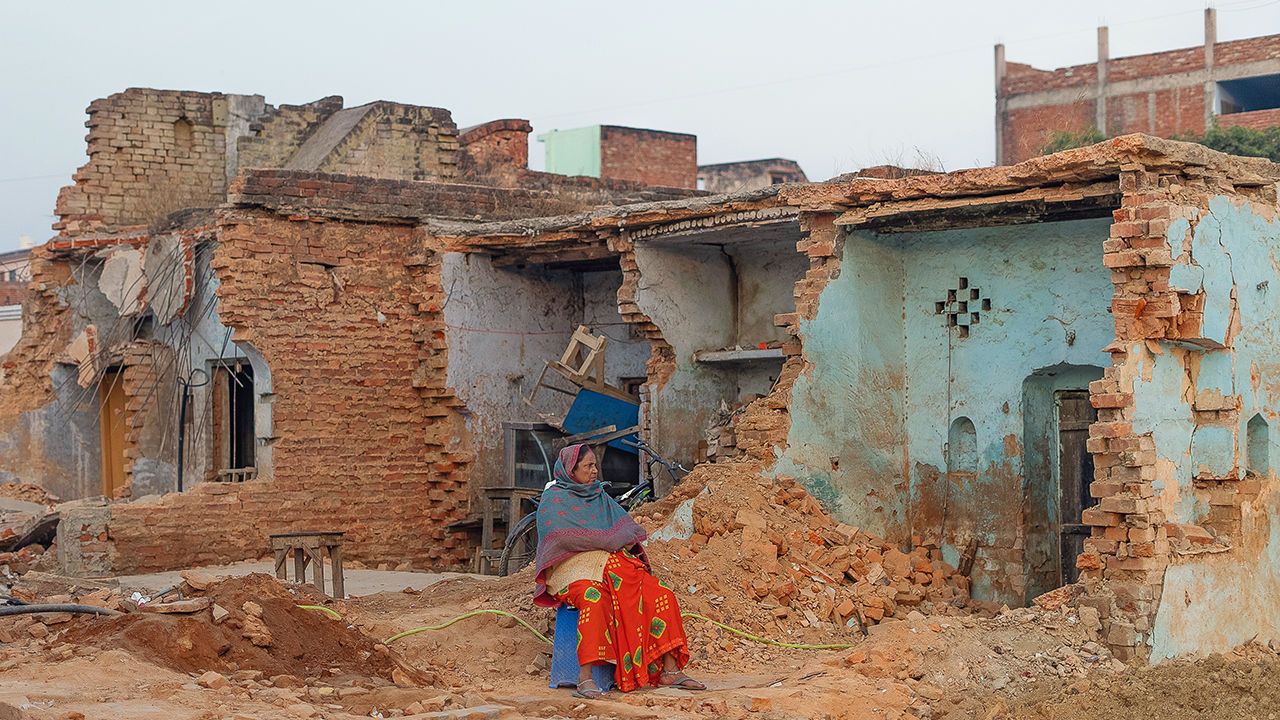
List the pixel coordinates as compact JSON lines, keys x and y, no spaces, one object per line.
{"x":870,"y":418}
{"x":573,"y":152}
{"x":1212,"y":603}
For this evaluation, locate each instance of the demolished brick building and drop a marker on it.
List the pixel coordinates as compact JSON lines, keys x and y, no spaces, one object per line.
{"x":293,"y":306}
{"x":1055,"y":371}
{"x":1052,"y":371}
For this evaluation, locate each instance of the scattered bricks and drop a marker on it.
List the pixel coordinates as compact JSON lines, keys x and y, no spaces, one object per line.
{"x":1122,"y":633}
{"x":212,"y":680}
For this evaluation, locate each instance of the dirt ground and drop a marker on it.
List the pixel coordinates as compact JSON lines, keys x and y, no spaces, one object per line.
{"x":242,"y":648}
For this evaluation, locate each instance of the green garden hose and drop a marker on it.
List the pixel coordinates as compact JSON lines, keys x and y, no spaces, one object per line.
{"x":464,"y":616}
{"x":320,"y":608}
{"x":545,"y":639}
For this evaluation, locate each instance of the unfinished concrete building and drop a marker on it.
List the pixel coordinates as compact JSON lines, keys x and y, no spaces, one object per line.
{"x":1170,"y":94}
{"x":1055,"y":371}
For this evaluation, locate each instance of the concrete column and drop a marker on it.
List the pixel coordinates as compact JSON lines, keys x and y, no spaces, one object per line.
{"x":1100,"y":102}
{"x":1210,"y":87}
{"x":1001,"y":104}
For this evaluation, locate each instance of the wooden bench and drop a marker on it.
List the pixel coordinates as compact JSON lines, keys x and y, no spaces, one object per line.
{"x":309,"y":548}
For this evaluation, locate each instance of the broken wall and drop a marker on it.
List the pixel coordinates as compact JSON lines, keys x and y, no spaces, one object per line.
{"x":504,"y":324}
{"x":1187,"y":505}
{"x":874,"y":417}
{"x":362,"y":440}
{"x":152,"y":152}
{"x":1209,"y":407}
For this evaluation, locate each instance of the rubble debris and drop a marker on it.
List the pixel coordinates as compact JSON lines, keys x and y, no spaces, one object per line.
{"x":29,"y":493}
{"x":263,"y":629}
{"x":767,"y":558}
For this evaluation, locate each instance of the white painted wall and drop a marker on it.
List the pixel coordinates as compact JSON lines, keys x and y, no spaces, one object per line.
{"x":503,"y":325}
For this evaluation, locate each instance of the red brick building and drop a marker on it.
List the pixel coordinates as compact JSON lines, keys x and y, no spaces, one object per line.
{"x":1171,"y":93}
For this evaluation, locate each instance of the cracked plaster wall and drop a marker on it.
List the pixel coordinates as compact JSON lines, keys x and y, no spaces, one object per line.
{"x":1212,"y":602}
{"x":869,"y":417}
{"x":503,"y":325}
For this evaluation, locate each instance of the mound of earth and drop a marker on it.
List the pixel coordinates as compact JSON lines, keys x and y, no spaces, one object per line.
{"x":262,"y":629}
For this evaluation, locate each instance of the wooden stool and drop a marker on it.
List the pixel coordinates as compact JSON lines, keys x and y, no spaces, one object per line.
{"x":309,"y":547}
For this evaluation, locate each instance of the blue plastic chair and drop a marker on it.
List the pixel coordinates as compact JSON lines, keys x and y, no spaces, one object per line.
{"x":564,"y":654}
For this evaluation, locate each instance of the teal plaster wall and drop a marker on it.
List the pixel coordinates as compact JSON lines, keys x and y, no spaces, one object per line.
{"x":1211,"y":603}
{"x":870,"y":417}
{"x":573,"y":152}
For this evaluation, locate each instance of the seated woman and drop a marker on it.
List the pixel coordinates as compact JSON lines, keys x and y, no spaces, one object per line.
{"x":589,"y":556}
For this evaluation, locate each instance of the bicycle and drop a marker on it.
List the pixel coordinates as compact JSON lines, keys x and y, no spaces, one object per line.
{"x":522,"y":542}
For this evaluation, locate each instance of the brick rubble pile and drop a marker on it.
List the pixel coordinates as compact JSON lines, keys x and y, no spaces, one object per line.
{"x":765,"y":556}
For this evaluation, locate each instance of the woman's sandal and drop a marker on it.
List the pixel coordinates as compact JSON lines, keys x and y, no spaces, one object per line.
{"x":588,"y":693}
{"x":679,"y":680}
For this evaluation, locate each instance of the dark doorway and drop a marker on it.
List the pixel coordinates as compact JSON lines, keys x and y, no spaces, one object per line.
{"x":233,"y":410}
{"x":1075,"y":473}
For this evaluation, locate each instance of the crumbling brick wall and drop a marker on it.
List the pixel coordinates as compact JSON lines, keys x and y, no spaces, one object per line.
{"x":398,"y":142}
{"x":496,"y":148}
{"x":1139,"y":529}
{"x":279,"y":132}
{"x":151,"y":152}
{"x":366,"y":441}
{"x":25,"y":383}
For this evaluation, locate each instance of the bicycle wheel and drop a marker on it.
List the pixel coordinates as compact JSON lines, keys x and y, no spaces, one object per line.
{"x":520,"y":547}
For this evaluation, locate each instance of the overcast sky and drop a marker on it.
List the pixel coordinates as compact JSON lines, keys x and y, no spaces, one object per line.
{"x":834,"y":85}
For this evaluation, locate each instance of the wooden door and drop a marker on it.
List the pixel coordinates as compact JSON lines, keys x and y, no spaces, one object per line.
{"x":111,"y":402}
{"x":1075,"y":473}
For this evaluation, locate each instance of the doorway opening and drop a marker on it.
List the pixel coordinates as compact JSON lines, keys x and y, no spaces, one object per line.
{"x":1074,"y":475}
{"x":233,"y":422}
{"x":111,"y":421}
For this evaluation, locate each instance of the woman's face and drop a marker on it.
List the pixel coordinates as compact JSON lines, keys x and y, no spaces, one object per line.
{"x":586,"y":471}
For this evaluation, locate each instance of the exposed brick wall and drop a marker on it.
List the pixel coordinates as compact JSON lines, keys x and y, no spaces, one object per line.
{"x":25,"y":383}
{"x":12,"y":292}
{"x":368,"y":198}
{"x":147,"y":377}
{"x":278,"y":134}
{"x":367,"y":442}
{"x":763,"y":428}
{"x":398,"y":142}
{"x":1258,"y":119}
{"x":1032,"y":127}
{"x":496,"y":147}
{"x":1125,"y":558}
{"x":650,"y":157}
{"x":151,"y":152}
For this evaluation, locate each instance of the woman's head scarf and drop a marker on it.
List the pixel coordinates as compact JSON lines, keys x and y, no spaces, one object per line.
{"x":575,"y":517}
